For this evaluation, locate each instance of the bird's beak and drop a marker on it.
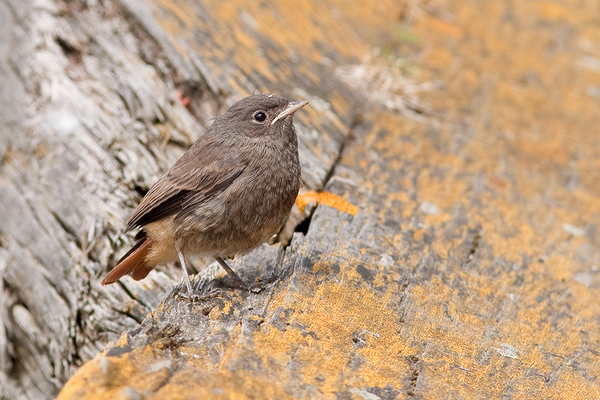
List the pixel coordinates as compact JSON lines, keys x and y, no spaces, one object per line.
{"x":291,"y":108}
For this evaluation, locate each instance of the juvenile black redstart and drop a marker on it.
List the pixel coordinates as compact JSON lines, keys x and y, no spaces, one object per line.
{"x":229,"y":193}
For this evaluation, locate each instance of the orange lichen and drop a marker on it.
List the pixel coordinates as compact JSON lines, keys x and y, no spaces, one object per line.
{"x":327,"y":199}
{"x":443,"y":27}
{"x":505,"y":315}
{"x":339,"y":317}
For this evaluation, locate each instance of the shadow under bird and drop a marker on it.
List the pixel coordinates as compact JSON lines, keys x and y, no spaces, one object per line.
{"x":228,"y":194}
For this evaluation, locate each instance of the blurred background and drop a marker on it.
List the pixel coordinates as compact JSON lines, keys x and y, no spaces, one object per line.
{"x":428,"y":111}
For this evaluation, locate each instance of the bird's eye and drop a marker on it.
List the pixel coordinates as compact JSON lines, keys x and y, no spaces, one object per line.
{"x":260,"y":116}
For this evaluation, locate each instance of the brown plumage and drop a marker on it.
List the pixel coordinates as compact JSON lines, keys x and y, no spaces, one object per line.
{"x":228,"y":194}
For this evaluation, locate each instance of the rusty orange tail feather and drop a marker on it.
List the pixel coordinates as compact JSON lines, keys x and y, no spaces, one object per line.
{"x":132,"y":263}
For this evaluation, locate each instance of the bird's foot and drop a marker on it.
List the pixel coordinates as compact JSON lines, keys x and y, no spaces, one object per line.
{"x":193,"y":297}
{"x":196,"y":298}
{"x":236,"y":282}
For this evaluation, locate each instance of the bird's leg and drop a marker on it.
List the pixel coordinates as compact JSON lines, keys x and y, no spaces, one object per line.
{"x":237,"y":281}
{"x":185,"y":272}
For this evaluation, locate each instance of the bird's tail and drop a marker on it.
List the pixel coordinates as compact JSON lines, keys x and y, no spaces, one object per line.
{"x":132,"y":263}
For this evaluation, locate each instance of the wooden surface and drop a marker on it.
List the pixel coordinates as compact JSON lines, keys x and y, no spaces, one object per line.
{"x":468,"y":142}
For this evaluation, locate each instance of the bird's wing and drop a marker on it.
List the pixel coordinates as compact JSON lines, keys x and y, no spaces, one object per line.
{"x":204,"y":171}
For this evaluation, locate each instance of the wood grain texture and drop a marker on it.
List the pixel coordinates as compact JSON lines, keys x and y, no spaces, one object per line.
{"x":90,"y":119}
{"x":469,"y":272}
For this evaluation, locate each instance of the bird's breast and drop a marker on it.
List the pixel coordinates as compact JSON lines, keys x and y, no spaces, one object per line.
{"x":251,"y":210}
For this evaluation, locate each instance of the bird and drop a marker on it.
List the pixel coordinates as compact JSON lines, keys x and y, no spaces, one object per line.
{"x":230,"y":192}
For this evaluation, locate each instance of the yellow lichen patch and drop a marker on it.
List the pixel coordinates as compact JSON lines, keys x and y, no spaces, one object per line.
{"x":513,"y":351}
{"x":551,"y":10}
{"x":560,"y":266}
{"x":443,"y":193}
{"x":436,"y":220}
{"x":290,"y":29}
{"x":330,"y":327}
{"x":306,"y":198}
{"x":106,"y":377}
{"x":511,"y":160}
{"x":418,"y":234}
{"x":326,"y":199}
{"x":442,"y":26}
{"x":202,"y":383}
{"x":176,"y":20}
{"x":123,"y":340}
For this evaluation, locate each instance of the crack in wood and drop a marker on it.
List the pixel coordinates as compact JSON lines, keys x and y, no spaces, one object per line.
{"x":474,"y":246}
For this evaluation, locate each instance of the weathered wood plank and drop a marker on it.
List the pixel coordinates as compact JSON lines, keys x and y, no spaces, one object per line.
{"x":90,"y":116}
{"x":470,"y":270}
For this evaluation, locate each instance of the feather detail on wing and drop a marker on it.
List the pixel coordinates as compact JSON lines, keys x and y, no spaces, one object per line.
{"x":204,"y":171}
